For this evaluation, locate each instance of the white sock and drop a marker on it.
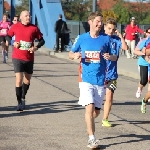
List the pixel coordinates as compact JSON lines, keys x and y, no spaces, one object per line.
{"x":91,"y":137}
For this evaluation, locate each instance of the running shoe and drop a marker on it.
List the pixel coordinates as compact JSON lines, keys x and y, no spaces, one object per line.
{"x":19,"y":107}
{"x":138,"y":94}
{"x":143,"y":107}
{"x":106,"y":123}
{"x":93,"y":144}
{"x":6,"y":55}
{"x":23,"y":103}
{"x":4,"y":61}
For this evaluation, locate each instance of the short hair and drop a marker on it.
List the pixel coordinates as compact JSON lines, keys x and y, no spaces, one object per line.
{"x":93,"y":15}
{"x":16,"y":16}
{"x":5,"y":15}
{"x":147,"y":30}
{"x":111,"y":21}
{"x":60,"y":15}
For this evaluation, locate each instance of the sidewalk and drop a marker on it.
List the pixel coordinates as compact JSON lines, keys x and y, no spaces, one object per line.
{"x":126,"y":67}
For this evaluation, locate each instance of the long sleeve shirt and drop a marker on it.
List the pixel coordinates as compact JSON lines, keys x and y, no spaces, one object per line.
{"x":130,"y":30}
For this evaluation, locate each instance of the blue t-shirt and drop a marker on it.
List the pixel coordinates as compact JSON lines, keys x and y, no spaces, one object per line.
{"x":112,"y":65}
{"x":92,"y":62}
{"x":141,"y":59}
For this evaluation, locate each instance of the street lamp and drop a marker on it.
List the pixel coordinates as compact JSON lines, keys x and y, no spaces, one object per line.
{"x":94,"y":5}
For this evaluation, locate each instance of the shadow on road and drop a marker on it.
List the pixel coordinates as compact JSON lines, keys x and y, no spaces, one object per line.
{"x":41,"y":108}
{"x":139,"y":139}
{"x":127,"y":103}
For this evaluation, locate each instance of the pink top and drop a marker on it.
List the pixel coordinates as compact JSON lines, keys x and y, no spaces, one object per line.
{"x":4,"y":27}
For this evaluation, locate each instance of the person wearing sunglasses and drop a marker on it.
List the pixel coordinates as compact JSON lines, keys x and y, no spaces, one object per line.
{"x":15,"y":20}
{"x":142,"y":63}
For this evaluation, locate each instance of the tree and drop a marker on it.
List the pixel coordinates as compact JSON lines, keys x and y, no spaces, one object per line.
{"x":140,"y":10}
{"x":24,"y":5}
{"x":77,"y":9}
{"x":109,"y":14}
{"x":123,"y":14}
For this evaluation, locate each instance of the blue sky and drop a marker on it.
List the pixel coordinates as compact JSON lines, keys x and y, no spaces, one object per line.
{"x":17,"y":2}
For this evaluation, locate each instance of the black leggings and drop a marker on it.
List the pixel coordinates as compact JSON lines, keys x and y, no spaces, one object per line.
{"x":143,"y":75}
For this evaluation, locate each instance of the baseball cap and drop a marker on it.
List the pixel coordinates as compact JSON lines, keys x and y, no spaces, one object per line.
{"x":132,"y":18}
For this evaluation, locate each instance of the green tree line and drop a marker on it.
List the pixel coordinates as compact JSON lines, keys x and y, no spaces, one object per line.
{"x":121,"y":11}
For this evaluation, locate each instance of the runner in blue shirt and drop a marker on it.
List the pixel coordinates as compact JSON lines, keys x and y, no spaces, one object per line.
{"x":117,"y":42}
{"x":144,"y":46}
{"x":93,"y":49}
{"x":142,"y":64}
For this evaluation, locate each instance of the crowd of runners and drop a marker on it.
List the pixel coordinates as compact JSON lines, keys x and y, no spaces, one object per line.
{"x":98,"y":53}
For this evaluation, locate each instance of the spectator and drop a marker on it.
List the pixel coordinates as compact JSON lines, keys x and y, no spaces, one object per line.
{"x":60,"y":29}
{"x":131,"y":33}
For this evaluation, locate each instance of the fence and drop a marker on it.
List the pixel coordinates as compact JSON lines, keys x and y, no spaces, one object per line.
{"x":79,"y":27}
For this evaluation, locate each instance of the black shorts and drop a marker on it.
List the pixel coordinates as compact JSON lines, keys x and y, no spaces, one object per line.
{"x":23,"y":66}
{"x":143,"y":75}
{"x":111,"y":85}
{"x":2,"y":39}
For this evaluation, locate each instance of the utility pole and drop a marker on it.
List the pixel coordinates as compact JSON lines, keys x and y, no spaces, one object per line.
{"x":94,"y":5}
{"x":1,"y":8}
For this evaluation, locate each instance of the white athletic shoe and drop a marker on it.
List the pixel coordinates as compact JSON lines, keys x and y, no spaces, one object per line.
{"x":138,"y":94}
{"x":93,"y":144}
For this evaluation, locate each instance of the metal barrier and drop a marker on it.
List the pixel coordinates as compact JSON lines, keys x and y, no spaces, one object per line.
{"x":79,"y":27}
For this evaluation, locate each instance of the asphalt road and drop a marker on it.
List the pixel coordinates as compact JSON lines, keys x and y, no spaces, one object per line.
{"x":53,"y":120}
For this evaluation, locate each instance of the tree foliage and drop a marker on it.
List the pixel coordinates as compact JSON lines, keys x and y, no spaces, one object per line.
{"x":80,"y":9}
{"x":123,"y":14}
{"x":109,"y":14}
{"x":24,"y":5}
{"x":141,"y":11}
{"x":77,"y":10}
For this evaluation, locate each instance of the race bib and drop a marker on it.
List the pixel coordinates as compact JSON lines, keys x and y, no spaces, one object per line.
{"x":25,"y":45}
{"x":3,"y":31}
{"x":92,"y":56}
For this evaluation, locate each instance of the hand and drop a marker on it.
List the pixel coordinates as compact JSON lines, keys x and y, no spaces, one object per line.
{"x":16,"y":44}
{"x":144,"y":50}
{"x":77,"y":55}
{"x":32,"y":49}
{"x":106,"y":56}
{"x":118,"y":33}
